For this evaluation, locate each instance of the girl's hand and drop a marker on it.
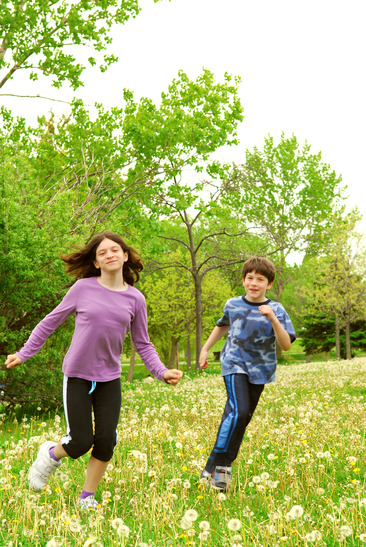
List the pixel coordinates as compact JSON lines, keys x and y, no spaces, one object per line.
{"x":172,"y":376}
{"x":203,"y":359}
{"x":13,"y":361}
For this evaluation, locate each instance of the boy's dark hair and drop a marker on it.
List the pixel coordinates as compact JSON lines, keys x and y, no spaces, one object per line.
{"x":260,"y":265}
{"x":80,"y":263}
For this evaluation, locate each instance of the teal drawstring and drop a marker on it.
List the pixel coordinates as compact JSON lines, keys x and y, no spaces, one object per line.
{"x":92,"y":387}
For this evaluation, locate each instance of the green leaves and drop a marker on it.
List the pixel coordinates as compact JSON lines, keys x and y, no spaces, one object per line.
{"x":37,"y":33}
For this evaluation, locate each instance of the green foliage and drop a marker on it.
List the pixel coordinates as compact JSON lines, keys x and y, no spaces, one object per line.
{"x":39,"y":36}
{"x":318,"y":335}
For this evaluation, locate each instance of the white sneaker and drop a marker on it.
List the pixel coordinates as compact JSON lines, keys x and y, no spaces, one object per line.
{"x":42,"y":468}
{"x":89,"y":503}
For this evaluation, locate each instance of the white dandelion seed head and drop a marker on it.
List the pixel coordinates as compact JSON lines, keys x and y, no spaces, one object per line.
{"x":116,"y":523}
{"x":185,"y":524}
{"x":234,"y":525}
{"x":256,"y":480}
{"x":362,"y":503}
{"x":191,"y":515}
{"x":221,"y":496}
{"x":296,"y":511}
{"x":204,"y":535}
{"x":204,"y":525}
{"x":345,"y":531}
{"x":362,"y":538}
{"x":123,"y":531}
{"x":270,"y":457}
{"x":186,"y":484}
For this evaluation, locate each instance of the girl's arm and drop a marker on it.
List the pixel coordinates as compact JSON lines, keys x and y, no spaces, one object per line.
{"x":215,"y":336}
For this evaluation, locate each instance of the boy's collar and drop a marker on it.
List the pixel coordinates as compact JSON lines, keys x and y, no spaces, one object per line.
{"x":267,"y":301}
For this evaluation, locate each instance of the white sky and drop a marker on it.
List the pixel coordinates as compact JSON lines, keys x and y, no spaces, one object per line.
{"x":302,"y":65}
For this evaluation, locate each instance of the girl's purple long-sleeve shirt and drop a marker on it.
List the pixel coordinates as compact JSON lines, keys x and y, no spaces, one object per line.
{"x":102,"y":319}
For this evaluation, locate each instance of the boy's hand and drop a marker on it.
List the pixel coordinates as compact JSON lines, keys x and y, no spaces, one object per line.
{"x":267,"y":311}
{"x":13,"y":361}
{"x":172,"y":376}
{"x":203,"y":359}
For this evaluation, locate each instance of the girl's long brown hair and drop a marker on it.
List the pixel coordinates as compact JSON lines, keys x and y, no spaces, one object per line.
{"x":80,"y":263}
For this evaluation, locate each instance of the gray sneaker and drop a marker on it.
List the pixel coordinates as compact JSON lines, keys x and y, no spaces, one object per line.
{"x":89,"y":503}
{"x":42,"y":467}
{"x":205,"y":477}
{"x":221,"y":478}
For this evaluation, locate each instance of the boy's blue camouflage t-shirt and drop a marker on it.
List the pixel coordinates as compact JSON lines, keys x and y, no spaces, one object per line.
{"x":250,"y":347}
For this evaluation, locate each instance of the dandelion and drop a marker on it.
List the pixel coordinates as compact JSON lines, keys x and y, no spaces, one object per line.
{"x":363,"y":538}
{"x":270,"y":457}
{"x":345,"y":531}
{"x":204,"y":525}
{"x":256,"y":480}
{"x":75,"y":526}
{"x":191,"y":515}
{"x":185,"y":524}
{"x":234,"y":525}
{"x":54,"y":542}
{"x":296,"y":512}
{"x":116,"y":523}
{"x":315,"y":535}
{"x":204,"y":535}
{"x":123,"y":531}
{"x":221,"y":496}
{"x":186,"y":484}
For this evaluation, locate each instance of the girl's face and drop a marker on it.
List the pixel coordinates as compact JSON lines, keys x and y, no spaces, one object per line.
{"x":109,"y":257}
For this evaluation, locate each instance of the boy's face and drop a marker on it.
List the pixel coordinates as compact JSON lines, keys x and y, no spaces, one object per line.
{"x":255,"y":285}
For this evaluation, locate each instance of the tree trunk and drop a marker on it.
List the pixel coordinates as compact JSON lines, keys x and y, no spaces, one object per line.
{"x":189,"y":353}
{"x":348,"y":340}
{"x":174,"y":354}
{"x":198,"y":301}
{"x":337,"y":338}
{"x":131,"y":368}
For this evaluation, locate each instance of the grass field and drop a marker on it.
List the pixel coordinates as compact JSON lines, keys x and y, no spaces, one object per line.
{"x":299,"y":478}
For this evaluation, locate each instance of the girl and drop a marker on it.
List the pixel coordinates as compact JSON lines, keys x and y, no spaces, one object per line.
{"x":106,"y":306}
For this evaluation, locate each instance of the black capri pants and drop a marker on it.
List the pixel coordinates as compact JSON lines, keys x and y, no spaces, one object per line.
{"x":81,"y":397}
{"x":242,"y":400}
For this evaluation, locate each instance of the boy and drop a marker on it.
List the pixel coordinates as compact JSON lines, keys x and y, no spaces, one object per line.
{"x":248,"y":360}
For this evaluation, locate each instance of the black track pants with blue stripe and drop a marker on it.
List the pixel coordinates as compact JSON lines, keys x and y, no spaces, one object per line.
{"x":242,"y":400}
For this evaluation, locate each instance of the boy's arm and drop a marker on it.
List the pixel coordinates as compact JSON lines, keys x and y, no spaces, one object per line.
{"x":215,"y":336}
{"x":282,"y":336}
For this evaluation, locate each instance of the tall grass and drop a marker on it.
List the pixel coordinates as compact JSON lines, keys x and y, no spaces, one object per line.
{"x":299,"y":478}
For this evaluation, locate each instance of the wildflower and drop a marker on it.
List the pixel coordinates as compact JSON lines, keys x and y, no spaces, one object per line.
{"x":191,"y":515}
{"x":362,"y":503}
{"x":363,"y":538}
{"x":186,"y":484}
{"x":123,"y":531}
{"x":221,"y":496}
{"x":296,"y":512}
{"x":116,"y":523}
{"x":204,"y":535}
{"x":54,"y":542}
{"x":204,"y":525}
{"x":256,"y":480}
{"x":315,"y":535}
{"x":185,"y":524}
{"x":345,"y":531}
{"x":270,"y":457}
{"x":75,"y":526}
{"x":234,"y":525}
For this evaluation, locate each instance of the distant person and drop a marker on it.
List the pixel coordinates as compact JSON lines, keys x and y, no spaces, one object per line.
{"x":106,"y":306}
{"x":253,"y":324}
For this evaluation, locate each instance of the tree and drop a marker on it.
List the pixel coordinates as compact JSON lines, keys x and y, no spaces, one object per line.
{"x":288,"y":195}
{"x":339,"y":286}
{"x":62,"y":181}
{"x":38,"y":36}
{"x":170,"y":296}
